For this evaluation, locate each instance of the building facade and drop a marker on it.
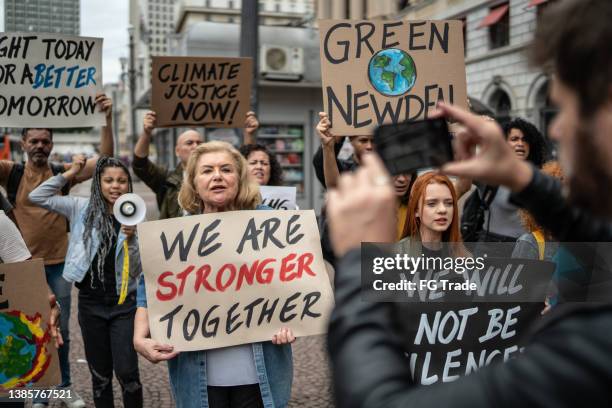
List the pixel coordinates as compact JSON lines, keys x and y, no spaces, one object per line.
{"x":497,"y":38}
{"x":271,"y":12}
{"x":289,"y":97}
{"x":43,"y":16}
{"x":357,"y":9}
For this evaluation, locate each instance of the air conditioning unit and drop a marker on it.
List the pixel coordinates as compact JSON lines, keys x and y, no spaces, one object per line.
{"x":281,"y":63}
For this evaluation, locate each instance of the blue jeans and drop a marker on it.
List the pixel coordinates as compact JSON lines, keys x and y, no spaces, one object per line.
{"x":61,"y":289}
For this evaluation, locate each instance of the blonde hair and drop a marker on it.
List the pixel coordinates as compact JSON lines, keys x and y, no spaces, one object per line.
{"x":248,"y":196}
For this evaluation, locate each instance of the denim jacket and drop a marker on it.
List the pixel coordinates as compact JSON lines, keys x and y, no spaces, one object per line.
{"x":79,"y":258}
{"x":187,"y":371}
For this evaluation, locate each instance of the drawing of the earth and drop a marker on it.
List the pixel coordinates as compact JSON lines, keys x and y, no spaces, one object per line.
{"x":392,"y":72}
{"x":23,"y":352}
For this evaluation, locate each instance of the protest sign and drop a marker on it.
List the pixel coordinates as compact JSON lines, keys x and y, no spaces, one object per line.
{"x":205,"y":92}
{"x":28,"y":357}
{"x":279,"y":197}
{"x":448,"y":340}
{"x":50,"y":80}
{"x":218,"y":280}
{"x":376,"y":72}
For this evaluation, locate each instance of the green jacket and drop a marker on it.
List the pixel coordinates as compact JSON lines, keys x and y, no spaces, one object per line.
{"x":165,"y":184}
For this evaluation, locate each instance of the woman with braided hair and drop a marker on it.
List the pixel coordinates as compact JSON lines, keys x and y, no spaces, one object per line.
{"x":104,"y":263}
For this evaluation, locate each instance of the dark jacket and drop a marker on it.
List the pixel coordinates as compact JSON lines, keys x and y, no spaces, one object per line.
{"x":566,"y":363}
{"x":343,"y":165}
{"x":165,"y":184}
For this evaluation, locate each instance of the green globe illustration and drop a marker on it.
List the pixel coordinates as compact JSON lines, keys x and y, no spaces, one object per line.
{"x":392,"y":72}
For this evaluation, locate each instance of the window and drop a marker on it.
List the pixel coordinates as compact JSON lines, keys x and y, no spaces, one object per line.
{"x":499,"y":34}
{"x":500,"y":102}
{"x":498,"y":22}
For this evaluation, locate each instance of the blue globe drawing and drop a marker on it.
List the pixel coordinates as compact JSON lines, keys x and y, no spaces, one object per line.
{"x":392,"y":72}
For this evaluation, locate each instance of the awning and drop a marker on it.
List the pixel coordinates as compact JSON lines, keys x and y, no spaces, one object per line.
{"x":494,"y":16}
{"x":534,"y":3}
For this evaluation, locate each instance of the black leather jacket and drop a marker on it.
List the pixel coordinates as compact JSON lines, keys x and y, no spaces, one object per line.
{"x":567,"y":363}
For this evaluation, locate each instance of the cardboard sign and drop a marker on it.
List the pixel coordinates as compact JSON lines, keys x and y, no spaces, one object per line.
{"x":204,"y":92}
{"x":376,"y":72}
{"x":28,"y":357}
{"x":236,"y":277}
{"x":50,"y":80}
{"x":279,"y":197}
{"x":448,"y":340}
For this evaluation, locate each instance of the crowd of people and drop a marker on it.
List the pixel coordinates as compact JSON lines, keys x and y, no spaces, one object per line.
{"x":514,"y":194}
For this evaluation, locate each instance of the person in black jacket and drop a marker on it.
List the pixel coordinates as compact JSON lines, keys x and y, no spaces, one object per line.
{"x":568,"y":359}
{"x":326,"y":163}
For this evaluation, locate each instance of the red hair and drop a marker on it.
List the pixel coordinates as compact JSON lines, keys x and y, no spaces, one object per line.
{"x":417,"y":198}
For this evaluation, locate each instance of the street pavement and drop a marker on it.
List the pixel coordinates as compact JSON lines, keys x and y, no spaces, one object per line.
{"x":311,"y":376}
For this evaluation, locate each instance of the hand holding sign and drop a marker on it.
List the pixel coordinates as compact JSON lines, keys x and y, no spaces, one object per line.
{"x":106,"y":105}
{"x":54,"y":316}
{"x":149,"y":122}
{"x":154,"y":351}
{"x":284,"y":336}
{"x":327,"y":138}
{"x":251,"y":124}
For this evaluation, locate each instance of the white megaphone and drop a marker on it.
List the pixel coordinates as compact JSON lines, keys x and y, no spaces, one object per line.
{"x":130,"y":209}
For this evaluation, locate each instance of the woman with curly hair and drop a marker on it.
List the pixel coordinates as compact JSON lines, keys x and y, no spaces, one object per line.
{"x":499,"y":220}
{"x":537,"y":243}
{"x":526,"y":141}
{"x":263,"y":167}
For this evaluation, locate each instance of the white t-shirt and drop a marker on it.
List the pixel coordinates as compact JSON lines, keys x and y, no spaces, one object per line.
{"x":12,"y":246}
{"x":230,"y":366}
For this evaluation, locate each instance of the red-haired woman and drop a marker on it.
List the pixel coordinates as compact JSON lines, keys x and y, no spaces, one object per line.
{"x":432,"y":219}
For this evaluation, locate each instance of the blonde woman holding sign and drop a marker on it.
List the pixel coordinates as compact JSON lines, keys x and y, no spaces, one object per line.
{"x":247,"y":375}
